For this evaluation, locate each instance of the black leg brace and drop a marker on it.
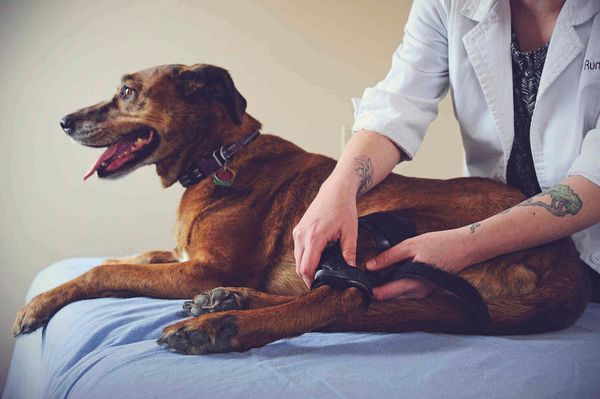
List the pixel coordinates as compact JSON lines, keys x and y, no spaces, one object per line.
{"x":388,"y":230}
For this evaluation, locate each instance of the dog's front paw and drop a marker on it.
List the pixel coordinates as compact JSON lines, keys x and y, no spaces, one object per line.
{"x":211,"y":333}
{"x":31,"y":316}
{"x":215,"y":300}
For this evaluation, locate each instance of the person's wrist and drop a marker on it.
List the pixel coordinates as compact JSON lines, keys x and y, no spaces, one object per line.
{"x":470,"y":247}
{"x":342,"y":185}
{"x":466,"y":248}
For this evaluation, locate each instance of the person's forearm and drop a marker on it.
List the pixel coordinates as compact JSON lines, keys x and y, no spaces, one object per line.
{"x":367,"y":159}
{"x":569,"y":207}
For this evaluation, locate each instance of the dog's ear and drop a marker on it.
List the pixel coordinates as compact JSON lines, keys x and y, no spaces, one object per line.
{"x":216,"y":83}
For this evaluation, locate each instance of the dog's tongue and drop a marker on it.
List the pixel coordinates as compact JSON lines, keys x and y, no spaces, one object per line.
{"x":106,"y":155}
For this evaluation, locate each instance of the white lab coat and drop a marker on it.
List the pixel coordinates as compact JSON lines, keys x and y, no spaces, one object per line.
{"x":465,"y":45}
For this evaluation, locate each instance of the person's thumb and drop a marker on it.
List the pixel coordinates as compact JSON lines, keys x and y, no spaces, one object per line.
{"x":387,"y":258}
{"x":348,"y":239}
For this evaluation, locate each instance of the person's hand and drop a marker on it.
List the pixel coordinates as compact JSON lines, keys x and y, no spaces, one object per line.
{"x":330,"y":217}
{"x":445,"y":249}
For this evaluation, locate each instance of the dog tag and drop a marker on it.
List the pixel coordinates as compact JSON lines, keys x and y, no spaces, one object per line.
{"x":223,"y":177}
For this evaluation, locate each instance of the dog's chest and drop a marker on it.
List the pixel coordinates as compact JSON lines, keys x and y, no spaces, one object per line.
{"x":226,"y":220}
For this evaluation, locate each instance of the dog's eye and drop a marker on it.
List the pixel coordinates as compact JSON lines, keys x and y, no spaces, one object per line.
{"x":127,"y":92}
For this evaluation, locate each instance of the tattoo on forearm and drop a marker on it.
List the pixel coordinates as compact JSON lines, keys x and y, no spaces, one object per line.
{"x":474,"y":226}
{"x":563,"y":201}
{"x":364,"y":170}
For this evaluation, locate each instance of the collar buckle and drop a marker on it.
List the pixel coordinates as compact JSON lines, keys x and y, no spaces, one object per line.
{"x":217,"y":160}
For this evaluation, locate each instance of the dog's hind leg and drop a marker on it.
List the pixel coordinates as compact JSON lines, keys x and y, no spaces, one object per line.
{"x":441,"y":312}
{"x":169,"y":280}
{"x":559,"y":298}
{"x":151,"y":257}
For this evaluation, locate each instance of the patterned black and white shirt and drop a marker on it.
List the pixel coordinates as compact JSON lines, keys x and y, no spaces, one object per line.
{"x":527,"y":71}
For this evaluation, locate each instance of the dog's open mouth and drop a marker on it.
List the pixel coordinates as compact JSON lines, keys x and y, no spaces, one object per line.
{"x":128,"y":151}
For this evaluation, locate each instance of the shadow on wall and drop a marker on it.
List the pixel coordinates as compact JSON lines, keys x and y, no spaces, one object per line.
{"x":296,"y":63}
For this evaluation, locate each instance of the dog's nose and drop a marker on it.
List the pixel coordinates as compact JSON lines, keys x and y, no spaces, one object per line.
{"x":67,"y":124}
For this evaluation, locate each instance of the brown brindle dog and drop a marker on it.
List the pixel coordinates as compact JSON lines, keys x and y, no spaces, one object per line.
{"x":241,"y":236}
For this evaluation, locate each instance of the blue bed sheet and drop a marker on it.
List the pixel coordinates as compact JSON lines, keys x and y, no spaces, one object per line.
{"x":105,"y":348}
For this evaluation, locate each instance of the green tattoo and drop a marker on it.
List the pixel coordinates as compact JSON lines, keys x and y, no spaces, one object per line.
{"x":364,"y":170}
{"x":474,"y":226}
{"x":563,"y":201}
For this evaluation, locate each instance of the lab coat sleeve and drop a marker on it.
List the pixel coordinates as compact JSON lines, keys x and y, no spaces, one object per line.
{"x":587,"y":164}
{"x":402,"y":105}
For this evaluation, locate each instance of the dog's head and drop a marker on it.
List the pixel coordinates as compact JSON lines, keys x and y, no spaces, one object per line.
{"x":158,"y":116}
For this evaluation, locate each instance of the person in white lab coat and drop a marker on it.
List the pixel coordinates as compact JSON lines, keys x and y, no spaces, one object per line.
{"x":525,"y":79}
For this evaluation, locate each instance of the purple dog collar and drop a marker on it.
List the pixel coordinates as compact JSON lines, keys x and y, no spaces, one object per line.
{"x":218,"y":160}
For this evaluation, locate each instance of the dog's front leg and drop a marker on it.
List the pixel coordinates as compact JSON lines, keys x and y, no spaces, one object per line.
{"x":240,"y":330}
{"x":151,"y":257}
{"x":232,"y":298}
{"x":170,"y":280}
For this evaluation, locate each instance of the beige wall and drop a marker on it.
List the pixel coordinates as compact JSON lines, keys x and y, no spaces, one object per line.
{"x":297,"y":63}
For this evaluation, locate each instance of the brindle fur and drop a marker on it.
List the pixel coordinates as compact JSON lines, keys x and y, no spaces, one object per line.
{"x":241,"y":236}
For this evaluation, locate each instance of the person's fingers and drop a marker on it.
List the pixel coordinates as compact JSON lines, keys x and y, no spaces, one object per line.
{"x":298,"y":247}
{"x":298,"y":252}
{"x":348,"y":240}
{"x":393,"y":255}
{"x":403,"y":287}
{"x":310,"y":258}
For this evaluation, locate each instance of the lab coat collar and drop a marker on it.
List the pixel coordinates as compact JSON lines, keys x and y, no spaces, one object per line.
{"x":488,"y":46}
{"x":565,"y":46}
{"x":578,"y":11}
{"x":477,"y":10}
